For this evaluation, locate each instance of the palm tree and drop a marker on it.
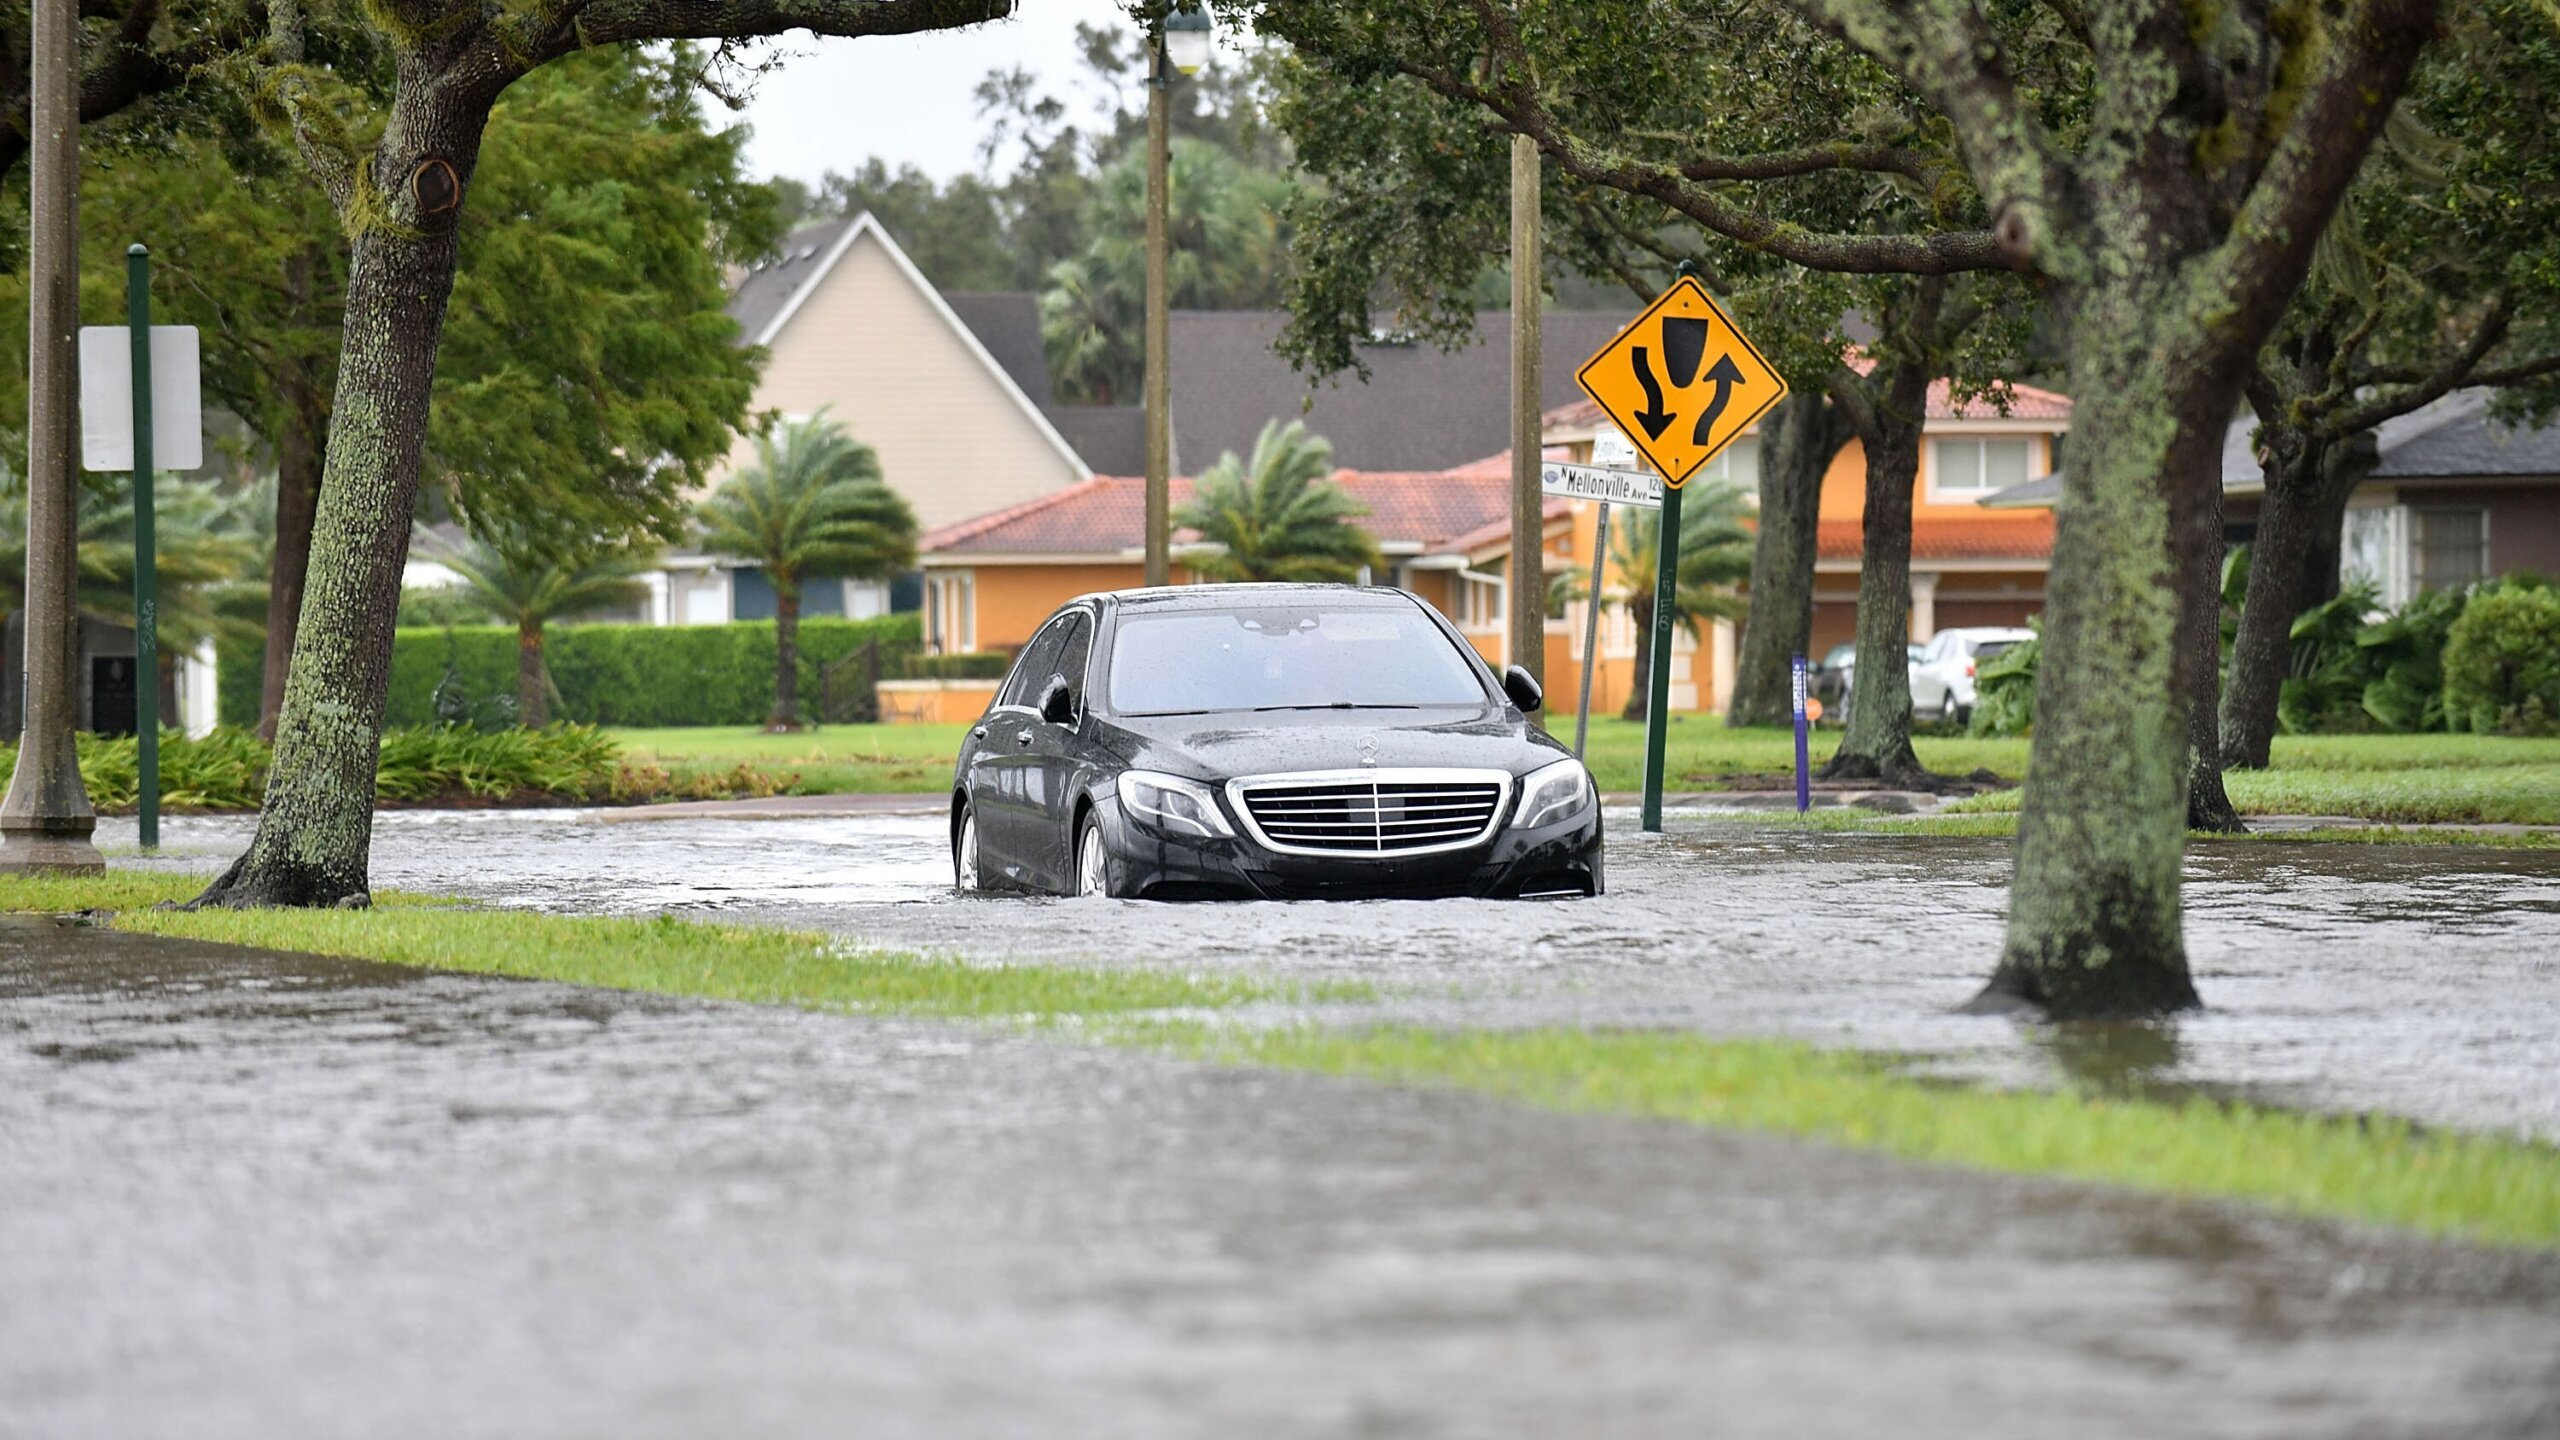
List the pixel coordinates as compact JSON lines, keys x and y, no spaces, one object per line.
{"x":813,"y":504}
{"x":1279,"y":516}
{"x":1715,"y":555}
{"x":518,"y":585}
{"x":199,"y":546}
{"x":1224,"y":239}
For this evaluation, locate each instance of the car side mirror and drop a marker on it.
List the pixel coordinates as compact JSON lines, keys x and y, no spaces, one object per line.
{"x":1522,"y":688}
{"x":1058,"y":702}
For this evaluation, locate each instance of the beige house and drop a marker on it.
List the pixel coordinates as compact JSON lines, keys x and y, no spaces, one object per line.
{"x":852,"y":328}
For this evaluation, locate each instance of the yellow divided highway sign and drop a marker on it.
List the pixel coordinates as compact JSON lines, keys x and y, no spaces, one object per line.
{"x":1682,"y":381}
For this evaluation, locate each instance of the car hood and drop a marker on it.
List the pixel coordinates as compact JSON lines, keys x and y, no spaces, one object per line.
{"x":1222,"y":746}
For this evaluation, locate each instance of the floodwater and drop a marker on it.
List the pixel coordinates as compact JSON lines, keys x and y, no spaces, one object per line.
{"x":2418,"y":981}
{"x":284,"y":1196}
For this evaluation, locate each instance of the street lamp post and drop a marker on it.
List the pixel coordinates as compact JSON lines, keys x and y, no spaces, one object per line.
{"x":46,"y":822}
{"x":1179,"y":43}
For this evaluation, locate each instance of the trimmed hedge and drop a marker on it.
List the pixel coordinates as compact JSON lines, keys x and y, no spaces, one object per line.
{"x":971,"y":665}
{"x":239,"y":678}
{"x":626,"y":674}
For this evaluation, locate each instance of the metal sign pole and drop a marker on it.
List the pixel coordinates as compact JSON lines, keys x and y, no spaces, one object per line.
{"x":1804,"y":767}
{"x":146,"y":596}
{"x":1591,"y":629}
{"x":1666,"y":590}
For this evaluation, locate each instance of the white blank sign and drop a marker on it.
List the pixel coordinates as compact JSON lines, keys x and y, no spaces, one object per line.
{"x":106,"y":398}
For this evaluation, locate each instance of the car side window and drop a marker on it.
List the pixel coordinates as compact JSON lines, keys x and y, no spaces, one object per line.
{"x":1075,"y":656}
{"x":1032,"y":669}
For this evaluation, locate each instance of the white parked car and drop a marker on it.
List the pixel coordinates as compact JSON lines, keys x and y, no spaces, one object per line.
{"x":1942,"y":678}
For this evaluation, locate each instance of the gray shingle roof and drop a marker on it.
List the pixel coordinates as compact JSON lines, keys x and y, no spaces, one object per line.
{"x":1007,"y":322}
{"x":1422,"y":408}
{"x":2454,"y":438}
{"x":764,"y":290}
{"x":1111,"y":438}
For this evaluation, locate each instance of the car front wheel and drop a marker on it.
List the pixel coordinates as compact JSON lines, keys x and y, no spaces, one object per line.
{"x":1093,"y":862}
{"x":964,"y":851}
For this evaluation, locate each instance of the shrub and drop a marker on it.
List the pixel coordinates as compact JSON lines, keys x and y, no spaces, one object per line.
{"x":2004,"y":690}
{"x":2502,"y":662}
{"x":624,"y":674}
{"x":2324,"y":691}
{"x":2404,"y":658}
{"x":974,"y":665}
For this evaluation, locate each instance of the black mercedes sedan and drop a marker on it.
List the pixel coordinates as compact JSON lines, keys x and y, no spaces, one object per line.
{"x":1267,"y":742}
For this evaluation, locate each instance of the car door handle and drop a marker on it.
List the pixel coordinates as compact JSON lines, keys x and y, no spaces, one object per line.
{"x":1022,"y":737}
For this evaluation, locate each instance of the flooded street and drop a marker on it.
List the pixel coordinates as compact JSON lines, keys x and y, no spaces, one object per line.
{"x":2416,"y":981}
{"x":265,"y":1196}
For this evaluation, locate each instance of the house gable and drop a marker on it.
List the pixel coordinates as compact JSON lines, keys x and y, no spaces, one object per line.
{"x":866,"y":338}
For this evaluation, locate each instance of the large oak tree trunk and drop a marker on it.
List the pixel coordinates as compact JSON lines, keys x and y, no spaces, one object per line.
{"x":298,"y":450}
{"x":2094,"y":924}
{"x":2293,"y":565}
{"x":1877,"y":745}
{"x":2262,"y":653}
{"x":1796,"y":446}
{"x":315,"y":829}
{"x":2198,"y":537}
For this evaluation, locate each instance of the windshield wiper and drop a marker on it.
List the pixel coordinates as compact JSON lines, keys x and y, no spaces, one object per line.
{"x":1333,"y":705}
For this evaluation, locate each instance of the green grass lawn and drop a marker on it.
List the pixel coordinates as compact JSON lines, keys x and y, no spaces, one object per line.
{"x":833,"y":760}
{"x":2404,"y":779}
{"x":2376,"y":1170}
{"x":2371,"y":1169}
{"x":663,"y":955}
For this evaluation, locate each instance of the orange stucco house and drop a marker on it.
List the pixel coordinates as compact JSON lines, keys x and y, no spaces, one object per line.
{"x":1446,"y":536}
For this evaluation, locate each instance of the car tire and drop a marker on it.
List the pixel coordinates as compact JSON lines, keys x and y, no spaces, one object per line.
{"x":1964,"y":714}
{"x":965,"y":876}
{"x":1093,"y":860}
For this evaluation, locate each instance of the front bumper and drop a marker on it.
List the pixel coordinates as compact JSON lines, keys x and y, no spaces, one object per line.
{"x":1558,"y":859}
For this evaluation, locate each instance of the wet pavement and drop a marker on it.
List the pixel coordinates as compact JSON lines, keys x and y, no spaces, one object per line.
{"x":2420,"y":981}
{"x":244,"y":1195}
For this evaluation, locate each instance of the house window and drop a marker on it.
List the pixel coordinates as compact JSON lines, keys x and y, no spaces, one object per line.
{"x":1737,"y":464}
{"x":2450,"y":546}
{"x":1479,"y":603}
{"x":1970,"y":469}
{"x":951,"y":612}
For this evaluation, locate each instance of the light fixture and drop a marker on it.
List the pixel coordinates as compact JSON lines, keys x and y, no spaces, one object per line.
{"x":1187,"y":39}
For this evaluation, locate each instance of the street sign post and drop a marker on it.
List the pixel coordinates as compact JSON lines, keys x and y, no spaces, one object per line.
{"x":140,"y":408}
{"x":1682,"y":383}
{"x":1804,"y":762}
{"x":1609,"y":487}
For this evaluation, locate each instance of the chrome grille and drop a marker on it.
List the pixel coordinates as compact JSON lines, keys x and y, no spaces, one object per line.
{"x":1371,"y":812}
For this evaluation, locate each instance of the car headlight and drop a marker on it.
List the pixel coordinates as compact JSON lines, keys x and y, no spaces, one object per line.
{"x":1554,"y":792}
{"x":1172,"y":804}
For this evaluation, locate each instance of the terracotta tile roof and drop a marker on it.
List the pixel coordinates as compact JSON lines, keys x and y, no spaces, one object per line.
{"x":2026,"y":402}
{"x":2019,"y":535}
{"x":1428,"y":509}
{"x":1498,"y":529}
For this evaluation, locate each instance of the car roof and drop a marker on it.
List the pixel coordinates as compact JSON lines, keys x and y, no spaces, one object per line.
{"x":1221,"y":597}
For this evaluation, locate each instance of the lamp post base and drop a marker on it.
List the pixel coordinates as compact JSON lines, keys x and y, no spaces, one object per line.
{"x":59,"y":846}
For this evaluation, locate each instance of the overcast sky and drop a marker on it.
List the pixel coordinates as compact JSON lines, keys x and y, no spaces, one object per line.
{"x":906,"y":98}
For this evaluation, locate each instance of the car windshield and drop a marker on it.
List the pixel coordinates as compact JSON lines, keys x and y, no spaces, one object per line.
{"x":1286,"y":657}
